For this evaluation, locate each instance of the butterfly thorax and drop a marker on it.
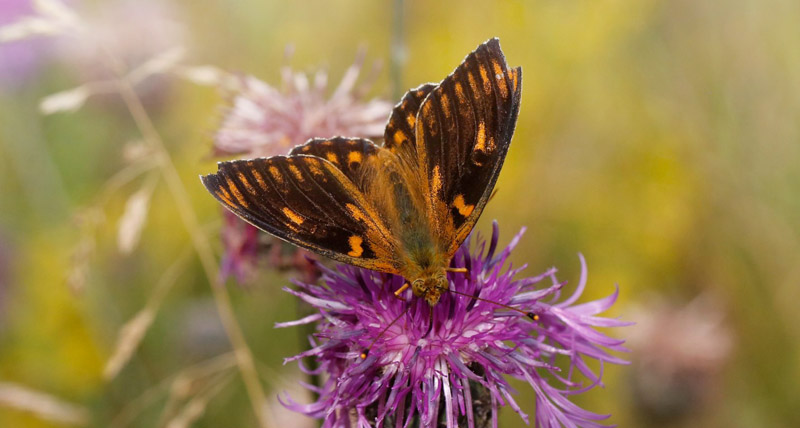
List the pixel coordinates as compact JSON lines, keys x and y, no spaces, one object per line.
{"x":421,"y":261}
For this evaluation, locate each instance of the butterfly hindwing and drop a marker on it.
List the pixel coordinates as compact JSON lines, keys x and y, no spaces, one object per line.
{"x":463,"y":131}
{"x":309,"y":202}
{"x":349,"y":155}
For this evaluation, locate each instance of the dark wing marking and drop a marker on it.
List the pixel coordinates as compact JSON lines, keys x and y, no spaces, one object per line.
{"x":463,"y":132}
{"x":349,"y":155}
{"x":399,"y":136}
{"x":307,"y":201}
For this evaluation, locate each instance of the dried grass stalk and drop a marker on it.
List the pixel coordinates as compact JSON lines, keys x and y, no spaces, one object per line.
{"x":43,"y":405}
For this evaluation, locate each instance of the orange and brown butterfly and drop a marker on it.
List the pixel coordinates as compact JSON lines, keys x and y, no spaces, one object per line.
{"x":405,"y":207}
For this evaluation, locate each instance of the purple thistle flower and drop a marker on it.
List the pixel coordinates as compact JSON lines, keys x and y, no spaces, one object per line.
{"x":247,"y":248}
{"x":266,"y":121}
{"x":447,"y":365}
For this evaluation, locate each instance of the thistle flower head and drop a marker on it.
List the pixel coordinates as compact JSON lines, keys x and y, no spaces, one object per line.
{"x":247,"y":248}
{"x":427,"y":364}
{"x":266,"y":121}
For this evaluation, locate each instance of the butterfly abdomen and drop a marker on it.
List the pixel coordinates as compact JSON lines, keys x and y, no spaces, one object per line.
{"x":408,"y":218}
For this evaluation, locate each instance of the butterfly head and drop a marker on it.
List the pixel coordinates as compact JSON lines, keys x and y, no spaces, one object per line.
{"x":430,"y":286}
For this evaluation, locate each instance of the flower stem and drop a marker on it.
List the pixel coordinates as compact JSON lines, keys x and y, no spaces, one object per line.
{"x":244,"y":357}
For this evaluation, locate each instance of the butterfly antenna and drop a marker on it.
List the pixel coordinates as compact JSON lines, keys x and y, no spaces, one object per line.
{"x":530,"y":315}
{"x":366,"y":351}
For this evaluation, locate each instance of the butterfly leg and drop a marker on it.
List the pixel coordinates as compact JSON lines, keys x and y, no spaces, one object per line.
{"x":401,"y":290}
{"x":457,"y":270}
{"x":430,"y":320}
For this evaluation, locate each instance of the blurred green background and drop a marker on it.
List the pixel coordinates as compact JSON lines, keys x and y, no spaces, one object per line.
{"x":659,"y":138}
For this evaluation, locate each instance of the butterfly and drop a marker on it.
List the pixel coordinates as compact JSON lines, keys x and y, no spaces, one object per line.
{"x":404,"y":207}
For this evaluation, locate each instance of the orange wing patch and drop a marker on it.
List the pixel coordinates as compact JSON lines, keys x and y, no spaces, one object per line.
{"x":356,"y":249}
{"x":236,"y":193}
{"x":354,"y":157}
{"x":295,"y":172}
{"x":293,"y":216}
{"x":276,"y":174}
{"x":246,"y":183}
{"x":463,"y":209}
{"x":314,"y":167}
{"x":446,"y":106}
{"x":515,"y":79}
{"x":224,"y":195}
{"x":260,"y":180}
{"x":487,"y":85}
{"x":480,"y":141}
{"x":399,"y":138}
{"x":501,"y":79}
{"x":437,"y":180}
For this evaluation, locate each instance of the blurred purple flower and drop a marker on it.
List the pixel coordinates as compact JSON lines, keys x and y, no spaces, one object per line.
{"x":19,"y":59}
{"x":265,"y":121}
{"x":241,"y":244}
{"x":452,"y":373}
{"x":133,"y":31}
{"x":246,"y":247}
{"x":138,"y":39}
{"x":681,"y":350}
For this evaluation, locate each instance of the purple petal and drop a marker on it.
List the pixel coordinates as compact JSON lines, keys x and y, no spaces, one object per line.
{"x":302,"y":321}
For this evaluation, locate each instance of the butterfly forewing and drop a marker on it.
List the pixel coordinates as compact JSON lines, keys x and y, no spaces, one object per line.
{"x":309,"y":202}
{"x":400,"y":134}
{"x":463,"y":131}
